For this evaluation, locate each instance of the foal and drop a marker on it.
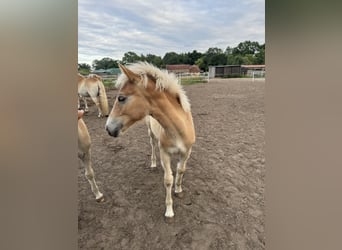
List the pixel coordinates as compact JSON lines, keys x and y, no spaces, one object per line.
{"x":146,"y":91}
{"x":93,"y":87}
{"x":84,"y":144}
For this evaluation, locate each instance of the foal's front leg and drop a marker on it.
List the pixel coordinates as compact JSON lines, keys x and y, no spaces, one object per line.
{"x":168,"y":181}
{"x":181,"y":166}
{"x":89,"y":173}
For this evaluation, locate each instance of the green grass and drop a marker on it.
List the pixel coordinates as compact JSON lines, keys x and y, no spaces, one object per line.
{"x":109,"y":83}
{"x":235,"y":76}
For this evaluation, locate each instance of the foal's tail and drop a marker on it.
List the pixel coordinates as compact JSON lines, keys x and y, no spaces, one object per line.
{"x":103,"y":99}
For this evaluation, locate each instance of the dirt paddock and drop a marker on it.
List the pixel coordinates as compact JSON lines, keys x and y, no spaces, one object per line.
{"x":223,"y":203}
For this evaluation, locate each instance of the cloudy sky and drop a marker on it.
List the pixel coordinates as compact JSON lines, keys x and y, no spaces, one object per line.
{"x":113,"y":27}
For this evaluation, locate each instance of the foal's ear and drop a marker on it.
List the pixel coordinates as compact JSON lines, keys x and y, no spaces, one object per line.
{"x":133,"y":77}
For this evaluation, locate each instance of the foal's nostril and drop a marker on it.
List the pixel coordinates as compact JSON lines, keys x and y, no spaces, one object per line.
{"x":108,"y":131}
{"x":106,"y":115}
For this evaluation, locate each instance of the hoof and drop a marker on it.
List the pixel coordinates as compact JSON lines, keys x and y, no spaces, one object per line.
{"x":169,"y":220}
{"x":101,"y":199}
{"x":179,"y":195}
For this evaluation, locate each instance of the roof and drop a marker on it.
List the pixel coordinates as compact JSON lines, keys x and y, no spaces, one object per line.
{"x":191,"y":68}
{"x":253,"y":66}
{"x":243,"y":66}
{"x":194,"y":69}
{"x":177,"y":66}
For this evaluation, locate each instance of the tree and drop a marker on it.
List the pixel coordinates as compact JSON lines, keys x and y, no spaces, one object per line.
{"x":105,"y":63}
{"x":130,"y":57}
{"x":246,"y":53}
{"x":155,"y":60}
{"x":84,"y":68}
{"x":212,"y":57}
{"x":246,"y":48}
{"x":194,"y":56}
{"x":260,"y":56}
{"x":171,"y":58}
{"x":201,"y":64}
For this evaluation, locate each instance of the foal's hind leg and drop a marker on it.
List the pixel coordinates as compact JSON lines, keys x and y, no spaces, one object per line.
{"x":181,"y":166}
{"x":98,"y":105}
{"x":153,"y":141}
{"x":85,"y":104}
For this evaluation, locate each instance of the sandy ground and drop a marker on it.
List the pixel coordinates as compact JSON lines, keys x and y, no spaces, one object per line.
{"x":223,"y":203}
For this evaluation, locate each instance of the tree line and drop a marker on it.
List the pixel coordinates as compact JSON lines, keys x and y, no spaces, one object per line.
{"x":247,"y":52}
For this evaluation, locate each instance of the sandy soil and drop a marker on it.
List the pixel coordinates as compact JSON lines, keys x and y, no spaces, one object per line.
{"x":223,"y":203}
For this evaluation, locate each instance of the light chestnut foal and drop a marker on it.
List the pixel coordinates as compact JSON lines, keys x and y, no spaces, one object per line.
{"x":84,"y":145}
{"x":92,"y":86}
{"x":146,"y":91}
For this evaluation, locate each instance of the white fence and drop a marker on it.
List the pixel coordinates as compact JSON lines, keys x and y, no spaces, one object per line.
{"x":183,"y":78}
{"x":258,"y":74}
{"x":190,"y":78}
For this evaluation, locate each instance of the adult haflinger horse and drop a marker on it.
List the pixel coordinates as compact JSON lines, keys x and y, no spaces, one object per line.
{"x":84,"y":145}
{"x":146,"y":91}
{"x":93,"y":87}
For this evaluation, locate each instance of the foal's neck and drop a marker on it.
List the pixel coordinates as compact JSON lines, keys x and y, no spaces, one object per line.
{"x":169,"y":113}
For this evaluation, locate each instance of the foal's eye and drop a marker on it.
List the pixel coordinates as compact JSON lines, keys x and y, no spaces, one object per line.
{"x":121,"y":98}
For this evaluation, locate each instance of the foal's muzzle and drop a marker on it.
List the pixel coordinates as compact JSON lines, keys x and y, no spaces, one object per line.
{"x":113,"y":128}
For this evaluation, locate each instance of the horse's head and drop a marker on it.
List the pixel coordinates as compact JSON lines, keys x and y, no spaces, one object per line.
{"x":131,"y":104}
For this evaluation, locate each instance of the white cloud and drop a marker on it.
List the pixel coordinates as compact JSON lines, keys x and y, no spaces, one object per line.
{"x":155,"y":27}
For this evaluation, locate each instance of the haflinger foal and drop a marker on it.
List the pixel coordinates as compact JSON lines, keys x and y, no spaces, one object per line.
{"x":146,"y":91}
{"x":84,"y":145}
{"x":92,"y":86}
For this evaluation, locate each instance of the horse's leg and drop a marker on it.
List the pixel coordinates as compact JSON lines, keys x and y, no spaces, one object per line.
{"x":78,"y":102}
{"x":85,"y":104}
{"x":89,"y":173}
{"x":84,"y":145}
{"x":97,"y":103}
{"x":181,"y":166}
{"x":168,"y":180}
{"x":153,"y":141}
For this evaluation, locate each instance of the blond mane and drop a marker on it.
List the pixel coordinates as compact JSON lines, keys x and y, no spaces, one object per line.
{"x":164,"y":81}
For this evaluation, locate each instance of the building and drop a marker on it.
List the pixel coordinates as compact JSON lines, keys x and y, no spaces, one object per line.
{"x":224,"y":70}
{"x":182,"y":68}
{"x":234,"y":70}
{"x":249,"y":69}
